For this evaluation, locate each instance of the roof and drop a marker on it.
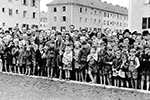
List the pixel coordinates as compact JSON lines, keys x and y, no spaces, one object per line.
{"x":98,"y":4}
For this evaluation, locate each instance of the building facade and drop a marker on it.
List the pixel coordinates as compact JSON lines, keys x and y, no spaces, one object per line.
{"x":43,"y":20}
{"x":89,"y":14}
{"x":139,"y":15}
{"x":20,"y":13}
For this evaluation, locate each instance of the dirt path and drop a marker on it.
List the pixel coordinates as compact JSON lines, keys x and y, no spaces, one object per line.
{"x":14,"y":87}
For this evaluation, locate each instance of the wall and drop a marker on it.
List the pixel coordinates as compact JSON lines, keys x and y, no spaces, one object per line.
{"x":10,"y":21}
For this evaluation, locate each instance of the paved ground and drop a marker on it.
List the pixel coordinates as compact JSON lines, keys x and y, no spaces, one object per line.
{"x":14,"y":87}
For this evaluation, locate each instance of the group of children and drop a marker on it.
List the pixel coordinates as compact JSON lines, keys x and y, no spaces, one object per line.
{"x":121,"y":59}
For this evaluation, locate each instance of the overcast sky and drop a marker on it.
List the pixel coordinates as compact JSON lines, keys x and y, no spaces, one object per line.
{"x":115,"y":2}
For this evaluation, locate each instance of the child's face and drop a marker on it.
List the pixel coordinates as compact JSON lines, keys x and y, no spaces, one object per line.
{"x":77,"y":46}
{"x":93,"y":50}
{"x":60,"y":52}
{"x":132,"y":52}
{"x":118,"y":54}
{"x":147,"y":50}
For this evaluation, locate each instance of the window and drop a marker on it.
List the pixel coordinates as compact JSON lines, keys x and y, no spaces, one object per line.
{"x":3,"y":9}
{"x":55,"y":9}
{"x":85,"y":20}
{"x":104,"y":14}
{"x":149,"y":22}
{"x":144,"y":23}
{"x":104,"y":22}
{"x":107,"y":22}
{"x":24,"y":14}
{"x":99,"y":21}
{"x":64,"y":8}
{"x":94,"y":20}
{"x":85,"y":10}
{"x":62,"y":28}
{"x":33,"y":3}
{"x":24,"y":2}
{"x":17,"y":11}
{"x":108,"y":15}
{"x":64,"y":19}
{"x":34,"y":15}
{"x":80,"y":19}
{"x":10,"y":12}
{"x":55,"y":18}
{"x":80,"y":10}
{"x":95,"y":12}
{"x":53,"y":27}
{"x":3,"y":24}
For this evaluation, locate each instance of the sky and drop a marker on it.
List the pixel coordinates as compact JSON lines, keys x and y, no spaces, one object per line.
{"x":114,"y":2}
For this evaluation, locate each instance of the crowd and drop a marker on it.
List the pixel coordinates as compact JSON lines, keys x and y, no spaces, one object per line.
{"x":109,"y":58}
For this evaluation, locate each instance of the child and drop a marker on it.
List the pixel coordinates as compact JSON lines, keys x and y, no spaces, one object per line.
{"x":82,"y":58}
{"x":144,"y":70}
{"x":133,"y":66}
{"x":124,"y":69}
{"x":67,"y":61}
{"x":92,"y":64}
{"x":108,"y":61}
{"x":60,"y":63}
{"x":51,"y":59}
{"x":101,"y":55}
{"x":116,"y":66}
{"x":76,"y":54}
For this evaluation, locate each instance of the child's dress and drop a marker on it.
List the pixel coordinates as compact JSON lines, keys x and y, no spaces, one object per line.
{"x":92,"y":63}
{"x":76,"y":54}
{"x":67,"y":61}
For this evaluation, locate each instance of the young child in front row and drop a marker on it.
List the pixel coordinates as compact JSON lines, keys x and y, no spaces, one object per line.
{"x":60,"y":63}
{"x":75,"y":56}
{"x":145,"y":70}
{"x":133,"y":66}
{"x":116,"y":66}
{"x":67,"y":61}
{"x":92,"y":64}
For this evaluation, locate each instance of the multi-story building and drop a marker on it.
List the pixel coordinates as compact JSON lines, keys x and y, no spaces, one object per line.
{"x":139,"y":15}
{"x":20,"y":13}
{"x":89,"y":14}
{"x":43,"y":20}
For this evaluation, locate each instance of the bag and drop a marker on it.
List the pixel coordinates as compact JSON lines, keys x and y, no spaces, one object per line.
{"x":121,"y":74}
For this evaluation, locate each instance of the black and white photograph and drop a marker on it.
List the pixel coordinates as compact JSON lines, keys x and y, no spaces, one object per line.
{"x":74,"y":49}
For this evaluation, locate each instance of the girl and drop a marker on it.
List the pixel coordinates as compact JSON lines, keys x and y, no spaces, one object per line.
{"x":92,"y":64}
{"x":116,"y":66}
{"x":67,"y":61}
{"x":124,"y":68}
{"x":60,"y":63}
{"x":133,"y":66}
{"x":76,"y":54}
